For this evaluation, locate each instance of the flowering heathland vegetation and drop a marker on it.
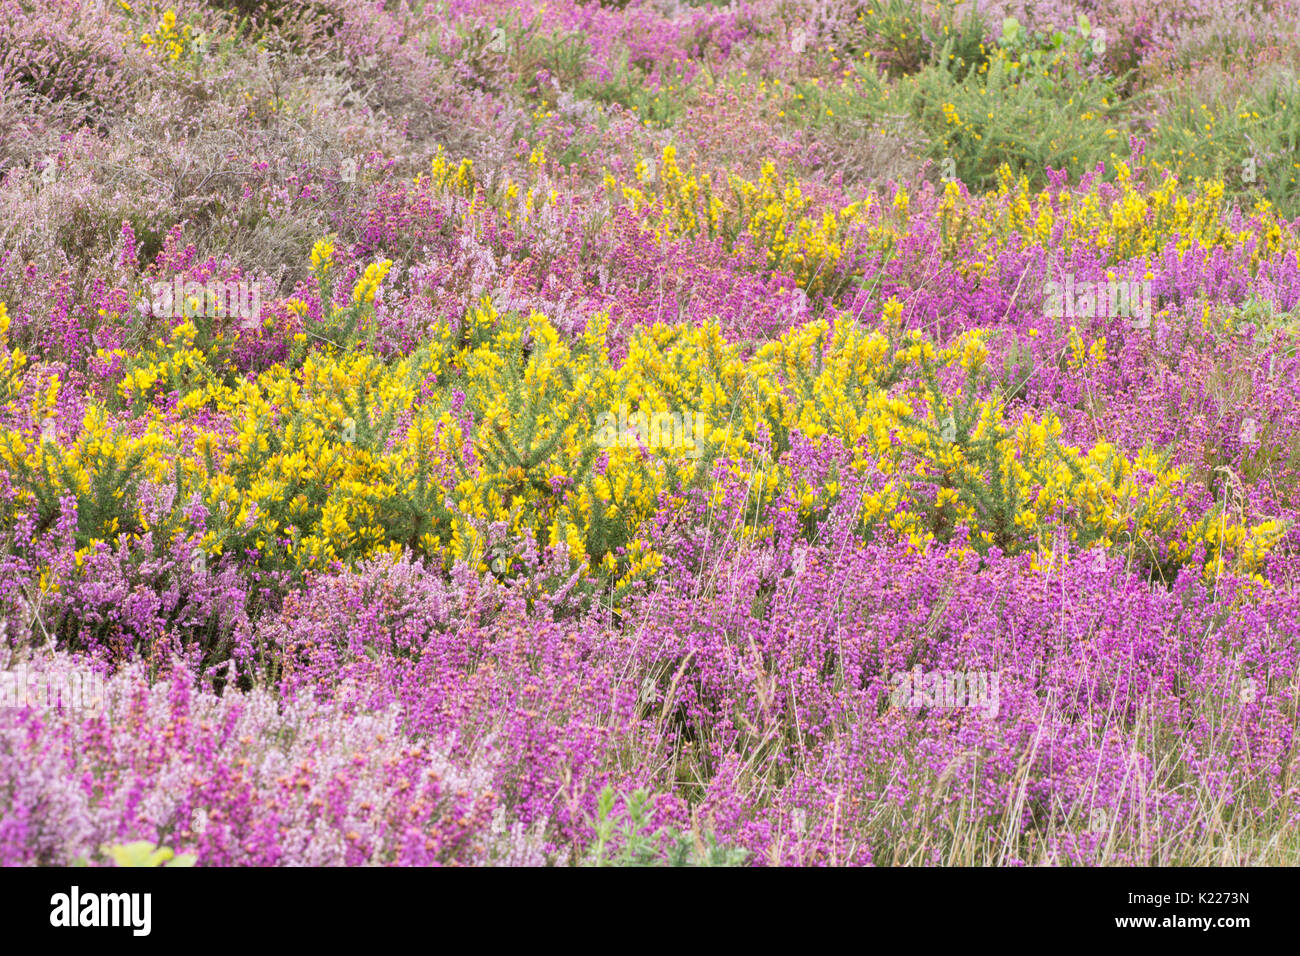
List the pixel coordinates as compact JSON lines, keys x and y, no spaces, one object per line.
{"x":607,"y":434}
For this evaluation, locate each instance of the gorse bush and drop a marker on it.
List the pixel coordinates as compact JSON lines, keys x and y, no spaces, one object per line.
{"x":492,"y":431}
{"x":904,"y":37}
{"x":1248,"y":141}
{"x":1027,"y":110}
{"x":1063,"y":99}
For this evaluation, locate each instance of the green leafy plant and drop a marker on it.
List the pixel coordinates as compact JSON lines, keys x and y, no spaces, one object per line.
{"x":1030,"y":101}
{"x":629,"y":843}
{"x":144,"y":853}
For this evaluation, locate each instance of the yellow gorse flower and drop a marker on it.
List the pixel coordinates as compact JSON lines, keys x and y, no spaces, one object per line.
{"x":322,"y":257}
{"x":366,"y":287}
{"x":173,"y":42}
{"x":311,"y":469}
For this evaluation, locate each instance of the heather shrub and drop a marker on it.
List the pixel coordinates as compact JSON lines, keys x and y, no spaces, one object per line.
{"x":233,"y":780}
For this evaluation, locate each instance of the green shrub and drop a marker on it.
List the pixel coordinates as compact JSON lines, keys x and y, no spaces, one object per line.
{"x":660,"y":847}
